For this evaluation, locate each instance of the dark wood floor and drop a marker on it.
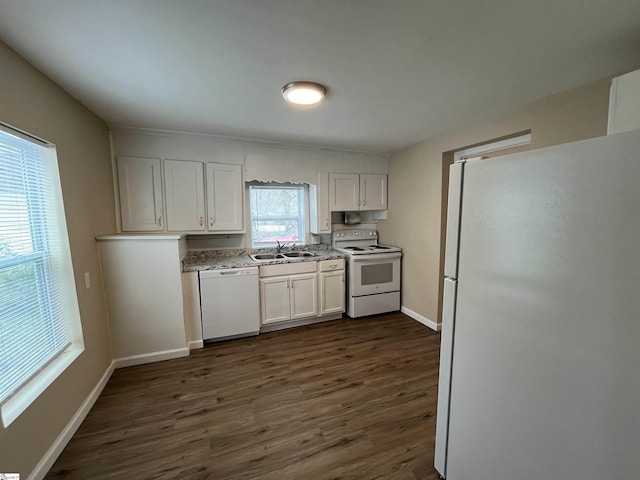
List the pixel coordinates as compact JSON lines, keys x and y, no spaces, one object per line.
{"x":347,"y":399}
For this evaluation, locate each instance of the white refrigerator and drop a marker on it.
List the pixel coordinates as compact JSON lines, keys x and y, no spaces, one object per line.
{"x":540,"y":358}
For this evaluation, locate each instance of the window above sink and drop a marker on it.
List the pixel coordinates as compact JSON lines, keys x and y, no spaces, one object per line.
{"x":277,"y":214}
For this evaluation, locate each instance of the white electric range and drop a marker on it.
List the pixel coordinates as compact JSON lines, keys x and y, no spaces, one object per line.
{"x":373,"y":272}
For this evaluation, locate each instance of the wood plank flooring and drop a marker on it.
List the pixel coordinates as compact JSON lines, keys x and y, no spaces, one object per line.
{"x":347,"y":399}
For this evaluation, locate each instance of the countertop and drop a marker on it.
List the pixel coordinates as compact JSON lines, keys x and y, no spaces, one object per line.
{"x":221,"y":259}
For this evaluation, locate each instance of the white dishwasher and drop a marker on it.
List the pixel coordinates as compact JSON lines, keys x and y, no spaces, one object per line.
{"x":230,"y":303}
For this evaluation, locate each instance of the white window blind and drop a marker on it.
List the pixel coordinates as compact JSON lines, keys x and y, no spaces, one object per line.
{"x":34,"y":267}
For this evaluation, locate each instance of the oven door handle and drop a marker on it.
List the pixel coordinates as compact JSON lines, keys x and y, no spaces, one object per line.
{"x":376,"y":256}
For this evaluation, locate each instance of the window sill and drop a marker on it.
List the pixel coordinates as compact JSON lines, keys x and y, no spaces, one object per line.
{"x":19,"y":402}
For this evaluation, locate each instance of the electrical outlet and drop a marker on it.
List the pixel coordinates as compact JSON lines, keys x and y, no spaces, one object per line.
{"x":87,"y":280}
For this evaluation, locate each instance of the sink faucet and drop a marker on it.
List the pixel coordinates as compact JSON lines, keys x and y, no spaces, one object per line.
{"x":281,"y":246}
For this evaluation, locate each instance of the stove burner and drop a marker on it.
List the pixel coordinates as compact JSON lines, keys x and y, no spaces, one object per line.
{"x":355,"y":249}
{"x":381,"y":247}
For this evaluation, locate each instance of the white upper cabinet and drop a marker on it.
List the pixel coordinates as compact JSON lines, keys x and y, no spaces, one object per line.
{"x":320,"y":215}
{"x":624,"y":103}
{"x":224,"y":198}
{"x":184,"y":193}
{"x":350,"y":191}
{"x":373,"y":192}
{"x":140,"y":188}
{"x":344,"y":192}
{"x":186,"y":199}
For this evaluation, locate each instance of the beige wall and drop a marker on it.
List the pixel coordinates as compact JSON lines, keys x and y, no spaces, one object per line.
{"x":415,"y":180}
{"x":32,"y":102}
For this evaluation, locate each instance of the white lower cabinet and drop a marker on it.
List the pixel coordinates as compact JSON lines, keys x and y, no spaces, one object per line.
{"x":331,"y":291}
{"x":275,"y":302}
{"x":295,"y":291}
{"x":288,"y":297}
{"x":303,"y":296}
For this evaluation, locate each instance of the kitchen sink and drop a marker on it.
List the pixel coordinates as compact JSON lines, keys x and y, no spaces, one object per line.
{"x":266,"y":256}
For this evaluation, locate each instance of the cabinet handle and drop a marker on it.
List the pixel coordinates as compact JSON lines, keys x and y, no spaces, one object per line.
{"x":211,"y":221}
{"x":335,"y":265}
{"x":288,"y":283}
{"x":201,"y":221}
{"x":364,"y":203}
{"x":160,"y":220}
{"x":326,"y":222}
{"x":342,"y":278}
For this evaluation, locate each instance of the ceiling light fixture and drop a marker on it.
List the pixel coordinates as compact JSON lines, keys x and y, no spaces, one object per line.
{"x":304,"y":93}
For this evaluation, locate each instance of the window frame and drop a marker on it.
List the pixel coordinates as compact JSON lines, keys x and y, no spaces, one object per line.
{"x":58,"y":265}
{"x":303,"y":216}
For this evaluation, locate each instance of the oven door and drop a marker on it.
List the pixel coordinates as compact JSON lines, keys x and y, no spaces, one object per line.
{"x":376,"y":273}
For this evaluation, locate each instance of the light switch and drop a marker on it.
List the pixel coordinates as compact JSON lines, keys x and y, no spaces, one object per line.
{"x":87,"y":279}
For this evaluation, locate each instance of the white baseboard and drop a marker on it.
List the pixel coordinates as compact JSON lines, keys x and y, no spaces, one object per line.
{"x":195,"y":344}
{"x":151,"y":357}
{"x":43,"y":466}
{"x":298,"y":323}
{"x":422,"y":319}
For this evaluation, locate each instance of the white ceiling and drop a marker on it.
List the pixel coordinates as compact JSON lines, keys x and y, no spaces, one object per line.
{"x":398,"y":71}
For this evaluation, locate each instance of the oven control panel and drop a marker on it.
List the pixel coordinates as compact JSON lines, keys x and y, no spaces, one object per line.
{"x":356,"y":234}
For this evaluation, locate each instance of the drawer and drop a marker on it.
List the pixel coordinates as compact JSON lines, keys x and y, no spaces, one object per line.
{"x":287,"y":268}
{"x":330,"y":265}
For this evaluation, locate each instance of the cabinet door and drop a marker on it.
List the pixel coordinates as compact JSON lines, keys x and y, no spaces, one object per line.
{"x":184,"y":193}
{"x":332,"y":292}
{"x":274,"y":299}
{"x":304,"y":302}
{"x":140,"y":188}
{"x":344,"y":192}
{"x":224,"y":198}
{"x":320,"y":214}
{"x":373,"y":192}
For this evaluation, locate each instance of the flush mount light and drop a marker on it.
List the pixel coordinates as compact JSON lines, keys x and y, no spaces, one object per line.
{"x":304,"y":93}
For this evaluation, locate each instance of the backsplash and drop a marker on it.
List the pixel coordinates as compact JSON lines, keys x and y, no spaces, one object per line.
{"x":238,"y":241}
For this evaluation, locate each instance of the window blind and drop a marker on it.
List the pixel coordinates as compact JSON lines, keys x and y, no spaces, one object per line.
{"x":33,"y":286}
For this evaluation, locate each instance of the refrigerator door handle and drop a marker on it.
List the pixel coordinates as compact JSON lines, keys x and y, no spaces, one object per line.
{"x":454,"y":206}
{"x":444,"y":383}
